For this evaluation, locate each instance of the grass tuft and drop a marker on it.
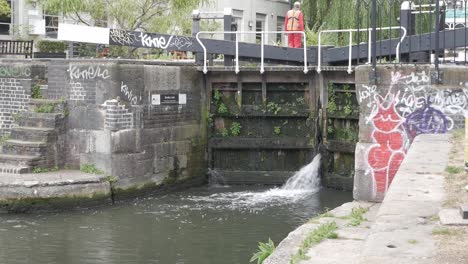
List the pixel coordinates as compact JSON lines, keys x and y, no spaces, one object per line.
{"x":322,"y":232}
{"x":453,"y":169}
{"x":91,"y":169}
{"x":264,"y":250}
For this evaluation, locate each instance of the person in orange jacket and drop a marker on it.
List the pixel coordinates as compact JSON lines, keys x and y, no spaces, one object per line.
{"x":294,"y":21}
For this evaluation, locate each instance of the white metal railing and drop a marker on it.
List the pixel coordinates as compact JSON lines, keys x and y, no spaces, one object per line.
{"x":262,"y":44}
{"x":350,"y":31}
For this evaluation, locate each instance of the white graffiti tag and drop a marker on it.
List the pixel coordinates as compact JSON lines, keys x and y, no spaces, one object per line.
{"x":154,"y":42}
{"x":133,"y":99}
{"x":90,"y":73}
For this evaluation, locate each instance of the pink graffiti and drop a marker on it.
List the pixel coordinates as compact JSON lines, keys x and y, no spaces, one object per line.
{"x":386,"y":156}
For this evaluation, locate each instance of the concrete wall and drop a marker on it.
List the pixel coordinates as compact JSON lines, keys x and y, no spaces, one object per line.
{"x":111,"y":122}
{"x":404,"y":103}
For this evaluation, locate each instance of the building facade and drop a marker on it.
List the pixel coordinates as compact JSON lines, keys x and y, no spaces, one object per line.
{"x":256,"y":15}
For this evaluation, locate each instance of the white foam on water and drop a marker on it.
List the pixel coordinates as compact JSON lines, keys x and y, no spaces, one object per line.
{"x":301,"y":185}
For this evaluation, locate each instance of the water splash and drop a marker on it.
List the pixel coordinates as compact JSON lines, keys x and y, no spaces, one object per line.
{"x":300,"y":186}
{"x":215,"y":179}
{"x":307,"y":178}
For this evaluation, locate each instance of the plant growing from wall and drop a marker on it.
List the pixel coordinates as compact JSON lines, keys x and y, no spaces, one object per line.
{"x":331,"y":105}
{"x":277,"y":130}
{"x":43,"y":170}
{"x":224,"y":132}
{"x":235,"y":129}
{"x":273,"y":107}
{"x":264,"y":250}
{"x":222,"y":109}
{"x":4,"y":138}
{"x":91,"y":169}
{"x":46,"y":108}
{"x":36,"y":92}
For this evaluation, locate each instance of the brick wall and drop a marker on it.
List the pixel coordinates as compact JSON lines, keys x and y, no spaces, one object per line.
{"x":14,"y":98}
{"x":117,"y":116}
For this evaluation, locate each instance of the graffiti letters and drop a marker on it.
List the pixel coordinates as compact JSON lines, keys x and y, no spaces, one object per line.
{"x":14,"y":71}
{"x":122,"y":37}
{"x":386,"y":156}
{"x":154,"y":42}
{"x":133,"y":99}
{"x":426,"y":120}
{"x":88,"y":73}
{"x":409,"y":107}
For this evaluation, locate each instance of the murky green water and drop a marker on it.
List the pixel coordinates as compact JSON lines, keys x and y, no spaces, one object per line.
{"x":198,"y":226}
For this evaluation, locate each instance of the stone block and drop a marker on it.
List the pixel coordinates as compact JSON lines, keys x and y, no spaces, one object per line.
{"x":101,"y":161}
{"x":124,"y":141}
{"x":161,"y":78}
{"x":464,"y":211}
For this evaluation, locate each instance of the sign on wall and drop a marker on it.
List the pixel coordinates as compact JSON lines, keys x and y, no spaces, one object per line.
{"x":168,"y":99}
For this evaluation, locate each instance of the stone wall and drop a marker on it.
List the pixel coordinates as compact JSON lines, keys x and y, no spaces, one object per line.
{"x":404,"y":103}
{"x":111,"y":120}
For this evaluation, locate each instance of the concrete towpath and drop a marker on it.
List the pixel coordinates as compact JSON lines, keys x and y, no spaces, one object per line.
{"x":399,"y":230}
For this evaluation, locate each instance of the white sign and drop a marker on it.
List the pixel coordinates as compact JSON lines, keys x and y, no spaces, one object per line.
{"x":87,"y":34}
{"x":182,"y":98}
{"x":156,"y":99}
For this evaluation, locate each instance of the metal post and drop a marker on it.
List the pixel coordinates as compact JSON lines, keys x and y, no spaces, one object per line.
{"x":436,"y":53}
{"x":228,"y":37}
{"x":195,"y":30}
{"x":373,"y":76}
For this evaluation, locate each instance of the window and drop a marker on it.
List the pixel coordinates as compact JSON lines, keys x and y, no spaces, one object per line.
{"x":51,"y":25}
{"x":5,"y":23}
{"x":279,"y":27}
{"x":259,"y":26}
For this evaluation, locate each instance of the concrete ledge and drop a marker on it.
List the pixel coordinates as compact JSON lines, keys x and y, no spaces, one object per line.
{"x":52,"y":191}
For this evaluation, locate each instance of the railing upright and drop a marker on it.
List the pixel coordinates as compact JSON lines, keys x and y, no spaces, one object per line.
{"x":437,"y":29}
{"x":374,"y":39}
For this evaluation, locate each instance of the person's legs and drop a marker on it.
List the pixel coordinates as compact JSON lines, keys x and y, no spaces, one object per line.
{"x":297,"y":40}
{"x":291,"y":40}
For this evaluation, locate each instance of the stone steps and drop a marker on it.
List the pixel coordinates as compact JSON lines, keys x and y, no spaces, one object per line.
{"x":21,"y":160}
{"x":12,"y":169}
{"x":54,"y":106}
{"x":40,"y":134}
{"x":44,"y":120}
{"x":32,"y":143}
{"x":21,"y":147}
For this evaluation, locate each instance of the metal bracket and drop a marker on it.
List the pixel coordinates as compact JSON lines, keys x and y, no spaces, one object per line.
{"x":437,"y":76}
{"x":373,"y":78}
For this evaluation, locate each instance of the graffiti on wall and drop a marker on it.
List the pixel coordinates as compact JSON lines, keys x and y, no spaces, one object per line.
{"x":128,"y":93}
{"x":141,"y":39}
{"x":409,"y":107}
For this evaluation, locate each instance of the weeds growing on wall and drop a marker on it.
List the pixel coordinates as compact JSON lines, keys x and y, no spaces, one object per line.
{"x":43,"y":170}
{"x":235,"y":129}
{"x":4,"y":138}
{"x":277,"y":130}
{"x":264,"y":250}
{"x":324,"y":231}
{"x":46,"y":108}
{"x":36,"y":92}
{"x":91,"y":169}
{"x":273,"y":107}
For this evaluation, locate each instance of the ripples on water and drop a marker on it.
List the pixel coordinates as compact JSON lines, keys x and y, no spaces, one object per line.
{"x":208,"y":225}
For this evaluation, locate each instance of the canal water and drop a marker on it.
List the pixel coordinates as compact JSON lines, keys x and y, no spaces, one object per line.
{"x":219,"y":225}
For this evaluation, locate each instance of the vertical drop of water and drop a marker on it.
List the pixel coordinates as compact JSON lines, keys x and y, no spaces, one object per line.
{"x":307,"y":178}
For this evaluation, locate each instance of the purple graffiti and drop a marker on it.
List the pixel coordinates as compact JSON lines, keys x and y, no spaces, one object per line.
{"x":426,"y":120}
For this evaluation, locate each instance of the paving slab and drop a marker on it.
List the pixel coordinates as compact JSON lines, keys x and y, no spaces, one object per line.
{"x":452,"y":217}
{"x":334,"y":251}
